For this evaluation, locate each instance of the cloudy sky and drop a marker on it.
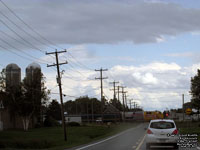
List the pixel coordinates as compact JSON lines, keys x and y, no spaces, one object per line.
{"x":149,"y":46}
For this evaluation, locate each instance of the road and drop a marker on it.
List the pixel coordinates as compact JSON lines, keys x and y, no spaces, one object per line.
{"x":131,"y":139}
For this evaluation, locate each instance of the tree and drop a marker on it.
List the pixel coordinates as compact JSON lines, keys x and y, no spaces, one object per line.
{"x":83,"y":105}
{"x":2,"y":80}
{"x":195,"y":90}
{"x":117,"y":104}
{"x":26,"y":100}
{"x":54,"y":110}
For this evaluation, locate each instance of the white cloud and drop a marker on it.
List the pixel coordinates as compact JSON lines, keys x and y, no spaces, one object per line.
{"x":150,"y":85}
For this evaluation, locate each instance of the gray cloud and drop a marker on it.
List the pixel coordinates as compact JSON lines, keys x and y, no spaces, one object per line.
{"x":77,"y":22}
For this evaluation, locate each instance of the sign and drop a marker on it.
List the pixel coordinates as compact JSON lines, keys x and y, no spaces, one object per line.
{"x":188,"y":111}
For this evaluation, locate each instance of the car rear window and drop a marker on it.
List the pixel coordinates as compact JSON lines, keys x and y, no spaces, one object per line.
{"x":162,"y":125}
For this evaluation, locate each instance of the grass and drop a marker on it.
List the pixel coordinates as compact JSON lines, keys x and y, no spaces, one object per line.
{"x":189,"y":128}
{"x":52,"y":138}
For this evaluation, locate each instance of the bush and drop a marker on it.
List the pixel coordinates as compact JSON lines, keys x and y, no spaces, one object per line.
{"x":50,"y":122}
{"x":73,"y":124}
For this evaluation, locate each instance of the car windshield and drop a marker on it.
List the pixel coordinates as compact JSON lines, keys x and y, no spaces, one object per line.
{"x":162,"y":125}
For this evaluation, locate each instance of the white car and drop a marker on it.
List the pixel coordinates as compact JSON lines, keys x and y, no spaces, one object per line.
{"x":162,"y":133}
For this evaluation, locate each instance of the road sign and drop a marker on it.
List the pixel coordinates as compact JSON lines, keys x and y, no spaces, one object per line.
{"x":188,"y":111}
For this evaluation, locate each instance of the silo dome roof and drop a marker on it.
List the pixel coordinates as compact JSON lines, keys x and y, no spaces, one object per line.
{"x":34,"y":65}
{"x":13,"y":66}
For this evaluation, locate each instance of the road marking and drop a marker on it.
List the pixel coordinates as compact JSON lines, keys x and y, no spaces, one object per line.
{"x":141,"y":143}
{"x":108,"y":138}
{"x":198,"y":148}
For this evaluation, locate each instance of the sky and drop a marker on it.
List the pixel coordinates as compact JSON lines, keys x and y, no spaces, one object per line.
{"x":149,"y":46}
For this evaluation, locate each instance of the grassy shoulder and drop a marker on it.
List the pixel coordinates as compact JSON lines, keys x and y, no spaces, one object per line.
{"x":52,"y":138}
{"x":189,"y":128}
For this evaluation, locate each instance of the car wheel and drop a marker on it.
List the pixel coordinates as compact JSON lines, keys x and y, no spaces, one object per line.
{"x":147,"y":146}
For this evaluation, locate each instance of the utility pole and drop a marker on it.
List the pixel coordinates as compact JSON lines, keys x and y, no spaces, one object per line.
{"x":134,"y":104}
{"x":57,"y":64}
{"x":125,"y":99}
{"x":92,"y":111}
{"x":76,"y":108}
{"x":118,"y":92}
{"x":130,"y":103}
{"x":123,"y":95}
{"x":114,"y":89}
{"x":101,"y":78}
{"x":183,"y":107}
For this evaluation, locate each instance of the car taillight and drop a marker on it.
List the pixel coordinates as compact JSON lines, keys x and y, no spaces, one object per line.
{"x":175,"y":132}
{"x":149,"y":131}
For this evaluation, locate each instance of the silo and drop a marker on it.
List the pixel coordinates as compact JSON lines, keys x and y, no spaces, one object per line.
{"x":33,"y":76}
{"x":33,"y":85}
{"x":13,"y":76}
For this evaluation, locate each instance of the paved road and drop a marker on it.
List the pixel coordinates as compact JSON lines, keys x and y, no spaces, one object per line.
{"x":131,"y":139}
{"x":143,"y":147}
{"x":127,"y":140}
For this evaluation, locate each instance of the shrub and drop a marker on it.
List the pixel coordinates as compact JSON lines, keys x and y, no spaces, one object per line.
{"x":50,"y":122}
{"x":73,"y":124}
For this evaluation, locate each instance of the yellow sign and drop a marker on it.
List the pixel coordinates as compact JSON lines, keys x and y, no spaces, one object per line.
{"x":188,"y":111}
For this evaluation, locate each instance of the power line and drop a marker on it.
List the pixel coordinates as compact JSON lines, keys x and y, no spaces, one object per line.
{"x":26,"y":24}
{"x":20,"y":36}
{"x":42,"y":37}
{"x":22,"y":51}
{"x":4,"y":48}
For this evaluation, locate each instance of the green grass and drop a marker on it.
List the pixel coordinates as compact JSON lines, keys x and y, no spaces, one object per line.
{"x":189,"y":128}
{"x":52,"y":138}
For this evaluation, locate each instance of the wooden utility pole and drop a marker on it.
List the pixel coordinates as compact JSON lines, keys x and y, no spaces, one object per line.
{"x":118,"y":87}
{"x":114,"y":89}
{"x":125,"y":99}
{"x":92,"y":110}
{"x":60,"y":86}
{"x":130,"y":103}
{"x":123,"y":95}
{"x":101,"y":78}
{"x":134,"y":104}
{"x":183,"y":107}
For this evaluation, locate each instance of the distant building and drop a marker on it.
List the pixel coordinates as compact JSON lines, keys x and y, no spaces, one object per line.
{"x":73,"y":118}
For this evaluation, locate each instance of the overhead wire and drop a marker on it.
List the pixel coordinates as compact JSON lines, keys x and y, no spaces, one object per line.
{"x":35,"y":58}
{"x":42,"y":37}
